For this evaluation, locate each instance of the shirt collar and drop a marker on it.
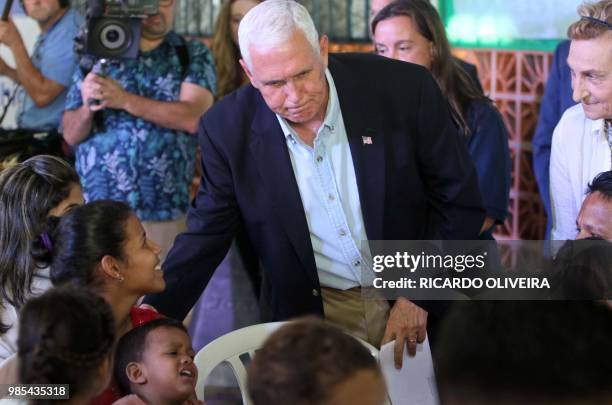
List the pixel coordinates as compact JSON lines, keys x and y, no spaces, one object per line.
{"x":171,"y":39}
{"x":46,"y":33}
{"x":333,"y":104}
{"x":598,"y":127}
{"x":331,"y":114}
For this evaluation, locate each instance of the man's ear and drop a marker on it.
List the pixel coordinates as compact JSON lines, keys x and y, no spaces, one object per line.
{"x":136,"y":373}
{"x":324,"y":48}
{"x":247,"y":71}
{"x":110,"y":267}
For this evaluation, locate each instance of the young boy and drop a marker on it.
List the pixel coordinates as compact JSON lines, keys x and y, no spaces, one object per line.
{"x":155,"y":362}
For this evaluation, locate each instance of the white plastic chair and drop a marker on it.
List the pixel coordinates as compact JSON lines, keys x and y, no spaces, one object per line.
{"x":232,"y":348}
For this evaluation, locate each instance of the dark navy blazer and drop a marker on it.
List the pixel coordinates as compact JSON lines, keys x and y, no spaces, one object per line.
{"x":416,"y":180}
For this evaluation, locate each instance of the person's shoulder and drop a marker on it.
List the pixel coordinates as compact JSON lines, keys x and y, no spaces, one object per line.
{"x":73,"y":19}
{"x":569,"y":127}
{"x":143,"y":314}
{"x":235,"y":107}
{"x":228,"y":121}
{"x":572,"y":116}
{"x":359,"y":62}
{"x":483,"y":109}
{"x":195,"y":47}
{"x":374,"y":74}
{"x":562,"y":50}
{"x":195,"y":44}
{"x":66,"y":28}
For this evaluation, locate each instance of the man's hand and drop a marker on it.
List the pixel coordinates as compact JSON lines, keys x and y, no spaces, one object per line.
{"x":9,"y":35}
{"x":106,"y":90}
{"x":407,"y":323}
{"x":89,"y":90}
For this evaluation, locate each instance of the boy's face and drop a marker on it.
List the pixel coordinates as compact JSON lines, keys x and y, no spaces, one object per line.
{"x":167,"y":365}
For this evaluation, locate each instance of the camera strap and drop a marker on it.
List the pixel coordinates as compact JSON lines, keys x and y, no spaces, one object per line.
{"x":183,"y":55}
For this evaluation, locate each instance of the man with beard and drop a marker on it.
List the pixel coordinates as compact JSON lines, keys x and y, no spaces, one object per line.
{"x":141,"y":148}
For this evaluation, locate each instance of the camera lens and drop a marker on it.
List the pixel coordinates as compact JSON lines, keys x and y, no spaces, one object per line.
{"x":114,"y":36}
{"x":110,"y":37}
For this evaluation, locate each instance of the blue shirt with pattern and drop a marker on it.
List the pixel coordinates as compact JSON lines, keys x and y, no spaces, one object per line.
{"x":129,"y":159}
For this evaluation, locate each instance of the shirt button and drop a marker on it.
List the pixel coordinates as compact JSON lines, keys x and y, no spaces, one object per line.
{"x":315,"y":292}
{"x":319,"y":158}
{"x":342,"y":232}
{"x":331,"y":197}
{"x":356,"y":263}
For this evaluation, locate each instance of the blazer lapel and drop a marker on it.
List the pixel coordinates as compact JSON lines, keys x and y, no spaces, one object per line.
{"x":269,"y":149}
{"x":363,"y":127}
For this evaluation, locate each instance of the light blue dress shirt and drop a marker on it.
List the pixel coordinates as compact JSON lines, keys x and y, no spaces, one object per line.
{"x":55,"y":58}
{"x":326,"y":179}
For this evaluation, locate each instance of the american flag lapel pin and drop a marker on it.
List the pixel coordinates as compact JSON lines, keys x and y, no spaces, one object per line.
{"x":367,"y":140}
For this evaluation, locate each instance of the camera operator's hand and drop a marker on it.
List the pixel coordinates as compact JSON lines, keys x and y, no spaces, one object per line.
{"x":90,"y":90}
{"x":109,"y":92}
{"x":9,"y":35}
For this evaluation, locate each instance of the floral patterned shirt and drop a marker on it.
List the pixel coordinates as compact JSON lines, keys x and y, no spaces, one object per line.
{"x":129,"y":159}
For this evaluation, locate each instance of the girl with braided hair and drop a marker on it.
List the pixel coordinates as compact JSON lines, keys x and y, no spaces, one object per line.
{"x":31,"y":193}
{"x":67,"y":336}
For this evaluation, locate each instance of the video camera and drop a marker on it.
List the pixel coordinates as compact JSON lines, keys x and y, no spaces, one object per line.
{"x":113,"y":27}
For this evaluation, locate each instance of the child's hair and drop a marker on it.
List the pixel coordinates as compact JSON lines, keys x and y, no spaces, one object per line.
{"x":83,"y":237}
{"x":525,"y":352}
{"x":303,"y":361}
{"x":581,"y":270}
{"x":64,"y":336}
{"x":28,"y":191}
{"x":131,"y":347}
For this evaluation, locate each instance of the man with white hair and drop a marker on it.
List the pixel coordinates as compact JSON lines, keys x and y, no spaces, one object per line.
{"x":582,"y":141}
{"x":319,"y":154}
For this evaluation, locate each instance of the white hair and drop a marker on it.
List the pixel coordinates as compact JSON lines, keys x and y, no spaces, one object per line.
{"x":272,"y":23}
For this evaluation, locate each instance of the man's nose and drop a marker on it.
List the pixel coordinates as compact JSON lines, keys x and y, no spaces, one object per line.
{"x":579,"y":91}
{"x":293,"y":91}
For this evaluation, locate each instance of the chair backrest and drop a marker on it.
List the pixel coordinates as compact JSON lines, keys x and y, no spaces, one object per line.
{"x":237,"y":348}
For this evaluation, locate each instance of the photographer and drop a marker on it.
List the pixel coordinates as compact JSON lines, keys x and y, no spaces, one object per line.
{"x":141,"y":148}
{"x":45,"y":76}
